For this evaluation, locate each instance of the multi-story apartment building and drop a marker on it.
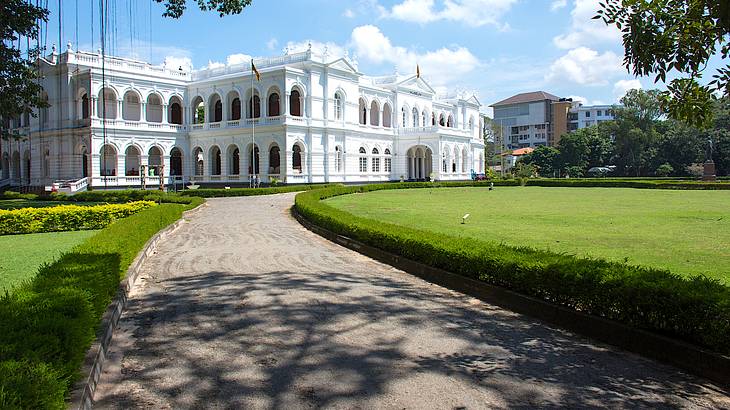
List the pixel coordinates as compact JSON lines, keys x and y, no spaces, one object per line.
{"x":309,"y":118}
{"x":582,"y":116}
{"x":531,"y":119}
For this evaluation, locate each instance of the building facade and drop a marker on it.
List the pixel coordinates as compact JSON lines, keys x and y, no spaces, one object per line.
{"x":531,"y":119}
{"x":583,"y":116}
{"x":310,"y":118}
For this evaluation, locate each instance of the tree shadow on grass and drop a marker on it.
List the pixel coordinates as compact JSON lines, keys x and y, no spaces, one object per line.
{"x":336,"y":339}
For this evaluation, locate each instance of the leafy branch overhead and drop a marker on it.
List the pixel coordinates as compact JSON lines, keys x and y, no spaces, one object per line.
{"x":176,"y":8}
{"x":665,"y":36}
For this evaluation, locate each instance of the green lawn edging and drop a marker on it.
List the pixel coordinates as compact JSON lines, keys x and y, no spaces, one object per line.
{"x":49,"y":322}
{"x":696,"y":310}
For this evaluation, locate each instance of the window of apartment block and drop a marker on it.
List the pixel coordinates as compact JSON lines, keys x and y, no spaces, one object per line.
{"x":515,"y":130}
{"x":588,"y":114}
{"x":599,"y":113}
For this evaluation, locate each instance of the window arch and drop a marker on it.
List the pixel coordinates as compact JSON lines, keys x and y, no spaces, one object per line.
{"x":254,"y":162}
{"x":374,"y":113}
{"x":273,"y":107}
{"x":254,"y":106}
{"x":415,"y":117}
{"x":376,"y":160}
{"x":215,"y":108}
{"x":433,"y":119}
{"x":424,"y":118}
{"x":199,"y":161}
{"x":362,"y":111}
{"x":153,"y":111}
{"x":295,"y":103}
{"x":338,"y":105}
{"x":274,"y":160}
{"x":450,"y":121}
{"x":234,"y":106}
{"x":176,"y":162}
{"x":444,"y":165}
{"x":338,"y":158}
{"x":44,"y":110}
{"x":85,"y":106}
{"x":132,"y":161}
{"x":464,"y":157}
{"x":234,"y":160}
{"x":296,"y":158}
{"x":175,"y":108}
{"x":442,"y":120}
{"x":215,"y":160}
{"x":387,"y":115}
{"x":404,"y":120}
{"x":108,"y":161}
{"x":107,"y":105}
{"x":154,"y":161}
{"x":198,"y":111}
{"x":363,"y":160}
{"x":387,"y":166}
{"x":471,"y":123}
{"x":131,"y":106}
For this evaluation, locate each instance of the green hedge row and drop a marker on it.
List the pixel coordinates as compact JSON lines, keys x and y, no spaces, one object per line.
{"x":628,"y":183}
{"x":696,"y":310}
{"x":48,"y":323}
{"x":66,"y":217}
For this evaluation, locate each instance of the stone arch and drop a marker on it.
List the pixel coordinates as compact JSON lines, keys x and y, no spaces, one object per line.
{"x":233,"y":155}
{"x":253,"y":103}
{"x":215,"y":108}
{"x":5,"y":166}
{"x":419,"y":162}
{"x":339,"y":103}
{"x":108,"y":160}
{"x":374,"y":113}
{"x":132,"y":105}
{"x":296,"y":101}
{"x":233,"y":106}
{"x":273,"y":102}
{"x":174,"y":107}
{"x":176,"y":161}
{"x":199,"y":161}
{"x":153,"y":110}
{"x":387,"y":115}
{"x":107,"y":103}
{"x":274,"y":158}
{"x":297,"y":160}
{"x":198,"y":110}
{"x":215,"y":160}
{"x":132,"y":160}
{"x":155,"y":160}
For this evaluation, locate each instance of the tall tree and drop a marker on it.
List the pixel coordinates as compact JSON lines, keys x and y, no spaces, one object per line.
{"x":19,"y":88}
{"x":545,"y":159}
{"x":680,"y":36}
{"x":176,"y":8}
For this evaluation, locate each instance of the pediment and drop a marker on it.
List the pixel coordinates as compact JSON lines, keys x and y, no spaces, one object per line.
{"x":342,"y":65}
{"x":416,"y":84}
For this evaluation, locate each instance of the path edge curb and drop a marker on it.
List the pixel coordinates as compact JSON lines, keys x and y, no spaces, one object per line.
{"x":685,"y":356}
{"x":82,"y":395}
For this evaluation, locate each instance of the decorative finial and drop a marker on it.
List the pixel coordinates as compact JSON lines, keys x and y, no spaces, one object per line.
{"x":309,"y":46}
{"x":285,"y":51}
{"x":53,"y":48}
{"x":69,"y":46}
{"x":326,"y":51}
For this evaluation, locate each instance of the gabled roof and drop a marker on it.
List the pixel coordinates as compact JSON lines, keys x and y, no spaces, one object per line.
{"x":416,"y":82}
{"x":343,"y":64}
{"x":527,"y":97}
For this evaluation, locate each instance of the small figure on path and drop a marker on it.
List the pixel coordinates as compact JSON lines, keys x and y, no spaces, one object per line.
{"x":491,"y":186}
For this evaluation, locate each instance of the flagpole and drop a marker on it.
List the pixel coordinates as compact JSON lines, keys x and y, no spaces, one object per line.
{"x":253,"y":131}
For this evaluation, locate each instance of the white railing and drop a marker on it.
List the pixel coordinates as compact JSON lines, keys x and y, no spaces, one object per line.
{"x":94,"y":60}
{"x":248,"y":123}
{"x":125,"y":124}
{"x":71,"y":187}
{"x":260,"y":63}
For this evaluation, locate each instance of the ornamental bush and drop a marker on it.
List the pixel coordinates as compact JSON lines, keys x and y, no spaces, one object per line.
{"x":66,"y":217}
{"x":695,"y":310}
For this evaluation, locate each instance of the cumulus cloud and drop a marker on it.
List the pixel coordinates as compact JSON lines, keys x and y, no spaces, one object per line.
{"x":234,"y":59}
{"x":474,"y":13}
{"x":174,"y":63}
{"x":272,"y":43}
{"x":585,"y":66}
{"x":348,"y":13}
{"x":622,"y":86}
{"x":441,"y":66}
{"x":578,"y":98}
{"x":584,"y":31}
{"x":558,"y":4}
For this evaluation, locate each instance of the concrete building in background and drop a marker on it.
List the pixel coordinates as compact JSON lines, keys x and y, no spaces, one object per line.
{"x":583,"y":116}
{"x":532,"y":119}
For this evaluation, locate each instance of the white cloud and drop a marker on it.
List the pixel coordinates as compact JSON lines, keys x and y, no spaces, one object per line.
{"x":334,"y":50}
{"x":558,"y":4}
{"x":578,"y":98}
{"x":585,"y":31}
{"x":474,"y":13}
{"x":272,"y":43}
{"x":234,"y":59}
{"x":440,"y":66}
{"x":585,"y":66}
{"x":174,"y":63}
{"x":622,"y":86}
{"x":348,"y":13}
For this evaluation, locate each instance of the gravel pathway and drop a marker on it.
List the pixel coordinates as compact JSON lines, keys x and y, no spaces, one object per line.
{"x":244,"y":308}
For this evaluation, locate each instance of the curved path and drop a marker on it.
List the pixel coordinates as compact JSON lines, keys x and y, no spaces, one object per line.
{"x":244,"y":308}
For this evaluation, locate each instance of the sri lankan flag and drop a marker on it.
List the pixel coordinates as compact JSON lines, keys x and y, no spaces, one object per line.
{"x":255,"y":71}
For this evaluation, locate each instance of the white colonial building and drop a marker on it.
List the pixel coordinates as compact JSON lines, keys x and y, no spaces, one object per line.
{"x":309,"y":119}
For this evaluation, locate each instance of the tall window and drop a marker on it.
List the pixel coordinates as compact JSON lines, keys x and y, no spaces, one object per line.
{"x":424,"y":118}
{"x":363,"y":161}
{"x":274,"y":110}
{"x":362,"y":111}
{"x":376,"y":160}
{"x":338,"y":106}
{"x":415,"y":118}
{"x":295,"y":103}
{"x":338,"y":159}
{"x":85,"y":106}
{"x":405,"y":118}
{"x":374,"y":114}
{"x":296,"y":160}
{"x":236,"y":110}
{"x":388,"y":161}
{"x":254,"y":107}
{"x":387,"y":114}
{"x":444,"y":166}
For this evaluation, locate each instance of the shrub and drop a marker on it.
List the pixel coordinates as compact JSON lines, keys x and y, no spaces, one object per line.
{"x":65,"y":217}
{"x":695,"y":310}
{"x":30,"y":385}
{"x":18,"y":195}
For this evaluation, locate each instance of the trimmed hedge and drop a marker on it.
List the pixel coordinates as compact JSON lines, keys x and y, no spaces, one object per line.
{"x":66,"y":217}
{"x":220,"y":193}
{"x":696,"y":310}
{"x":49,"y":322}
{"x":628,"y":183}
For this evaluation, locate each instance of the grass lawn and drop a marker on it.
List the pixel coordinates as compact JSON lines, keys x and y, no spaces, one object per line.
{"x":687,"y":232}
{"x":10,"y":204}
{"x":22,"y":255}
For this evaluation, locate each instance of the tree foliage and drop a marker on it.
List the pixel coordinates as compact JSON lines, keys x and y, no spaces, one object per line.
{"x":176,"y":8}
{"x":19,"y":89}
{"x":680,"y":36}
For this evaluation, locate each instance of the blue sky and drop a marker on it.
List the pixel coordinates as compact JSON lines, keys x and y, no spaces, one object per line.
{"x":496,"y":47}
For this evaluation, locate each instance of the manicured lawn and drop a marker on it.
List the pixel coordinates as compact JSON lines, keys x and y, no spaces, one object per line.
{"x":22,"y":255}
{"x":687,"y":232}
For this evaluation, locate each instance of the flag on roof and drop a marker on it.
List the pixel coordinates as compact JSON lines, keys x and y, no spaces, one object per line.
{"x":255,"y":71}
